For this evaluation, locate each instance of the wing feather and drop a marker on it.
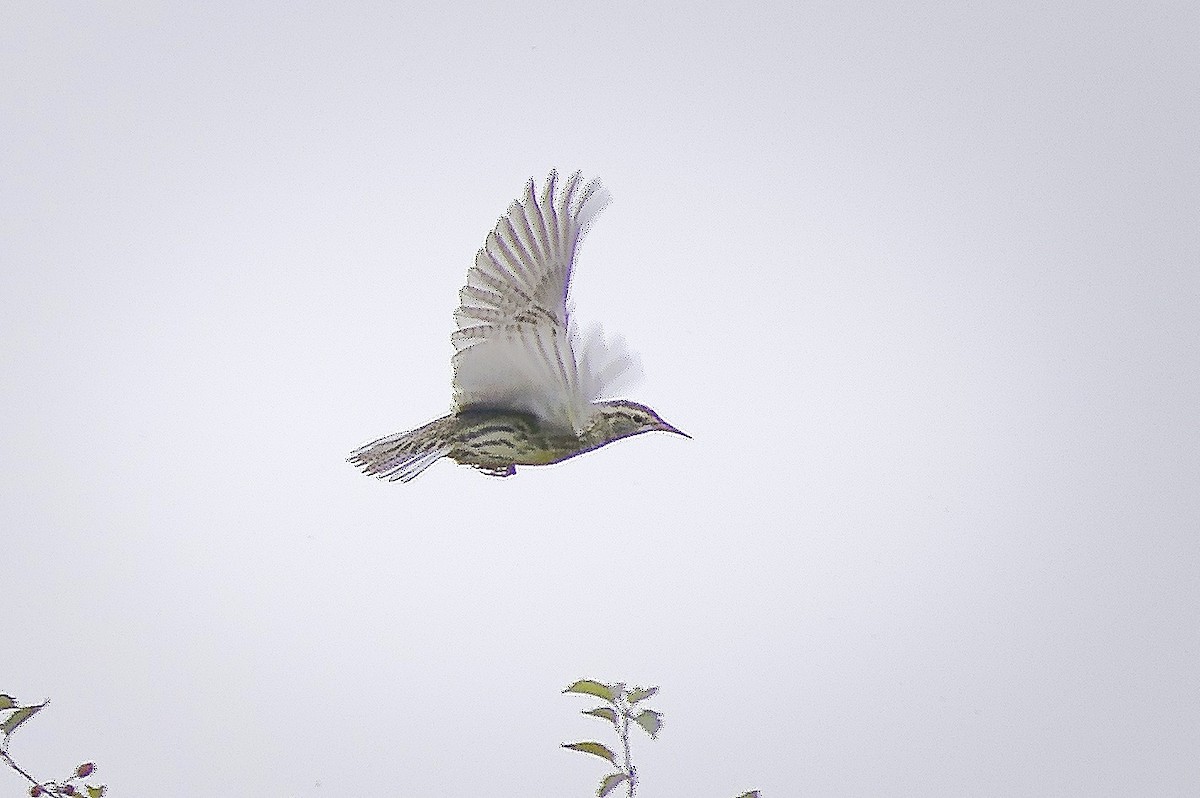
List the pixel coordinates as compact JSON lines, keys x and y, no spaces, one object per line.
{"x":515,"y":346}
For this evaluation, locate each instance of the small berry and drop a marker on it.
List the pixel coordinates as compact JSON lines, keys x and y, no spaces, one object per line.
{"x":69,"y":789}
{"x":35,"y":790}
{"x":85,"y":770}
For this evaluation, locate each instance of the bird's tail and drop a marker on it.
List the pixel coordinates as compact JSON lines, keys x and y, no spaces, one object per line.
{"x":406,"y":454}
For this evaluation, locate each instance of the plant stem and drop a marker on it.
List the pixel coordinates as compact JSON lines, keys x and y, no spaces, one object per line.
{"x":12,"y":764}
{"x":630,"y":770}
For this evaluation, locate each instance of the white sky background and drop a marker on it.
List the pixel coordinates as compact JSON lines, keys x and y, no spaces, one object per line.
{"x":923,"y":282}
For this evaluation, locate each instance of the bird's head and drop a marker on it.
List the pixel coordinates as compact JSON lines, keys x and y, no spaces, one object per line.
{"x":620,"y":419}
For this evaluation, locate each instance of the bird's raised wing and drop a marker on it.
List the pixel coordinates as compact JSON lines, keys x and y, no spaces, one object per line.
{"x":515,"y":347}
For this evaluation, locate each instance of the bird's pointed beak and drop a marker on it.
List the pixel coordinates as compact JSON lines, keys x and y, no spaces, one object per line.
{"x":665,"y":427}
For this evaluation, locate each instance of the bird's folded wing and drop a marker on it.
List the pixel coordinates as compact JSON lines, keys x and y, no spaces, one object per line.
{"x":514,"y":346}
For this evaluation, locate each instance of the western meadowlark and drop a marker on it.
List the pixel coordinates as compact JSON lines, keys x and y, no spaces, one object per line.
{"x":527,"y":389}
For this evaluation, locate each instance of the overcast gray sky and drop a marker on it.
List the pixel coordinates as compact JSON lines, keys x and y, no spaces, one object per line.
{"x":922,"y":281}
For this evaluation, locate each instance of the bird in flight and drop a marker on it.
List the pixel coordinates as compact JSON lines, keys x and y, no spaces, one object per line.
{"x":527,"y":388}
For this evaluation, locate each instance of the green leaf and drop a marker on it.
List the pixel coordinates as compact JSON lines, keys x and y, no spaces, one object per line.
{"x":610,"y":783}
{"x":603,"y":712}
{"x":595,"y":749}
{"x":751,"y":794}
{"x":589,"y":687}
{"x":7,"y":702}
{"x":95,"y":792}
{"x":650,"y":721}
{"x":641,"y":694}
{"x":20,"y":716}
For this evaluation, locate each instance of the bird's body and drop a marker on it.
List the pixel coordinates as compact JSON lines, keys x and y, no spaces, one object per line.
{"x":523,"y":394}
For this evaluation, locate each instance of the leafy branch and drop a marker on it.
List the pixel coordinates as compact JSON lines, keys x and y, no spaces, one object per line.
{"x":622,"y":712}
{"x":16,"y":714}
